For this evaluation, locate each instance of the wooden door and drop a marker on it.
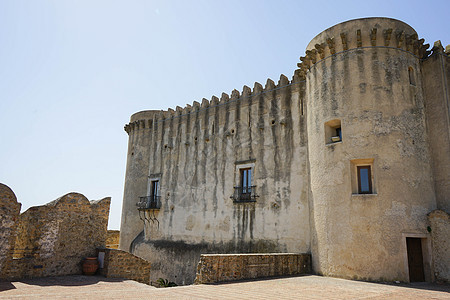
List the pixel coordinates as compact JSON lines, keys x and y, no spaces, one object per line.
{"x":415,"y":259}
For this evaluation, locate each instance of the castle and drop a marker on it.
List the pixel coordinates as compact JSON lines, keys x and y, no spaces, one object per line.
{"x":348,"y":161}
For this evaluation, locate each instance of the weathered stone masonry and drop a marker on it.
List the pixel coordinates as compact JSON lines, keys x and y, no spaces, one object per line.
{"x":121,"y":264}
{"x":229,"y":267}
{"x":368,"y":97}
{"x":52,"y":239}
{"x":9,"y":214}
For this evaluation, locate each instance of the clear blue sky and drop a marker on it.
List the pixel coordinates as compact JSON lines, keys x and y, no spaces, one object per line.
{"x":72,"y":73}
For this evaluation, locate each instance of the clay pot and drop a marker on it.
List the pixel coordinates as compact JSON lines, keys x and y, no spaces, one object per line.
{"x":90,"y":265}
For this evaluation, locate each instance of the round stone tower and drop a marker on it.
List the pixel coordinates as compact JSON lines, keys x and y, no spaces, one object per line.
{"x":370,"y":174}
{"x":136,"y":176}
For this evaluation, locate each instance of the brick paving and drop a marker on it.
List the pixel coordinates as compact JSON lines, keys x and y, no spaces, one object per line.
{"x":304,"y":287}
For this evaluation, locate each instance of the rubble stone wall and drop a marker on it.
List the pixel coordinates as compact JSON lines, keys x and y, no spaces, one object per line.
{"x":9,"y":214}
{"x":121,"y":264}
{"x":112,"y":239}
{"x":53,"y":239}
{"x":218,"y":267}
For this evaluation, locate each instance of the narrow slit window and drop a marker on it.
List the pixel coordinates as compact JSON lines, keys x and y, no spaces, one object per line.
{"x":412,"y":78}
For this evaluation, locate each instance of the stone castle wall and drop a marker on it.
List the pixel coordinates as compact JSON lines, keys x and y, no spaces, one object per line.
{"x":196,"y":153}
{"x":436,"y":88}
{"x":440,"y":233}
{"x":371,"y":78}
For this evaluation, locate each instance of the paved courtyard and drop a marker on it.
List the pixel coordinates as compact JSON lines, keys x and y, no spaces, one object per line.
{"x":304,"y":287}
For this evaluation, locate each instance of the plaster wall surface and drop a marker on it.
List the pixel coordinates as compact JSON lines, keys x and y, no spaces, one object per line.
{"x":136,"y":179}
{"x":436,"y":83}
{"x":440,"y":233}
{"x":197,"y":155}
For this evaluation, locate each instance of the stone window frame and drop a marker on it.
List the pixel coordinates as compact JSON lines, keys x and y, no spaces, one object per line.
{"x":354,"y":164}
{"x":152,"y":178}
{"x":239,"y":166}
{"x":426,"y":254}
{"x":333,"y":132}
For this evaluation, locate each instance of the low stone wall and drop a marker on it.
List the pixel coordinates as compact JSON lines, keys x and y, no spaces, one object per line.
{"x":112,"y":239}
{"x":229,"y":267}
{"x":121,"y":264}
{"x":440,"y":235}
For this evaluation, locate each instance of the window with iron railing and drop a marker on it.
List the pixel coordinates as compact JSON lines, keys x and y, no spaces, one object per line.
{"x":153,"y":200}
{"x":149,"y":202}
{"x":244,"y":194}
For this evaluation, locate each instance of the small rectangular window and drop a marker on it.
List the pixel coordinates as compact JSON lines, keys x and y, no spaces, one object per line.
{"x":363,"y":177}
{"x":333,"y":131}
{"x":364,"y":180}
{"x":244,"y":188}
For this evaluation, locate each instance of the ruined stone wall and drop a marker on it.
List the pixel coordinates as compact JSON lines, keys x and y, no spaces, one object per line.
{"x":219,"y":267}
{"x":53,"y":239}
{"x":9,"y":215}
{"x":121,"y":264}
{"x":440,"y":234}
{"x":359,"y":74}
{"x":196,"y":153}
{"x":112,"y":239}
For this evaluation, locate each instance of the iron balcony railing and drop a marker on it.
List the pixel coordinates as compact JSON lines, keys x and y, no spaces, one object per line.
{"x":149,"y":202}
{"x":244,"y":194}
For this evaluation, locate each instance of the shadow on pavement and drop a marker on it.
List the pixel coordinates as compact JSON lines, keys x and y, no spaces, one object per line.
{"x":70,"y":280}
{"x":440,"y":287}
{"x":6,"y":285}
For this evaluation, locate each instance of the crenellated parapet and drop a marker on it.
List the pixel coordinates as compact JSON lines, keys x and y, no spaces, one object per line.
{"x":236,"y":95}
{"x":141,"y":120}
{"x":369,"y":33}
